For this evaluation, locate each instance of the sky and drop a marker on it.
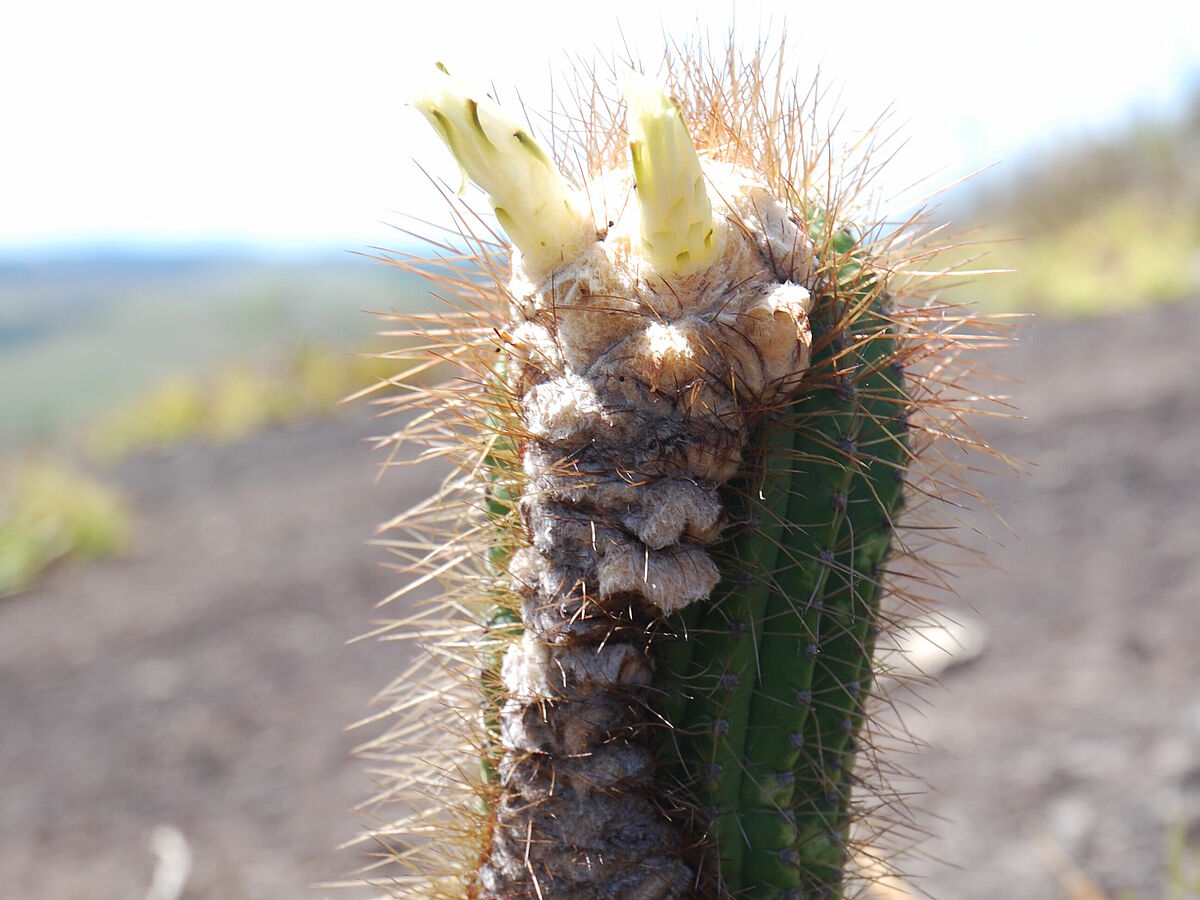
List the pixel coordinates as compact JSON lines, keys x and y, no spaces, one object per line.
{"x":286,"y":124}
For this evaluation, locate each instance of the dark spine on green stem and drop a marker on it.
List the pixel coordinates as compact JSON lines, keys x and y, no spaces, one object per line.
{"x":844,"y":671}
{"x":725,"y":636}
{"x":503,"y":621}
{"x":764,"y":685}
{"x":789,"y":633}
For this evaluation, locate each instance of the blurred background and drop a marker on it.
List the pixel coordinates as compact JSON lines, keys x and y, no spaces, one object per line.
{"x":189,"y":198}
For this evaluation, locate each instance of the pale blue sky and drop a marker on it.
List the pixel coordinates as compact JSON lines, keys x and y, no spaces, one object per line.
{"x":285,"y":123}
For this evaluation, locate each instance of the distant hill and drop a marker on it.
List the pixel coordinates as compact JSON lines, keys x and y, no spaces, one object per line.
{"x":1099,"y":225}
{"x":83,"y":331}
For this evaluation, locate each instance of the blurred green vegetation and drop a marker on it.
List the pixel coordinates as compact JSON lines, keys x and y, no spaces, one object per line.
{"x":50,"y":511}
{"x":133,"y":353}
{"x":1182,"y":869}
{"x":1100,"y":226}
{"x":80,"y":336}
{"x":235,"y":401}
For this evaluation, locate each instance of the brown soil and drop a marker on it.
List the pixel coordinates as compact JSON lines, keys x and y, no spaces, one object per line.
{"x":204,"y":682}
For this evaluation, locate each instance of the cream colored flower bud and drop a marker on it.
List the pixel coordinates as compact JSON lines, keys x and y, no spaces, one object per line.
{"x":541,"y":214}
{"x":677,"y":220}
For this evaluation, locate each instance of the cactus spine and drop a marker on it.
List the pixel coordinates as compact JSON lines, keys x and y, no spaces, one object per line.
{"x":682,"y":437}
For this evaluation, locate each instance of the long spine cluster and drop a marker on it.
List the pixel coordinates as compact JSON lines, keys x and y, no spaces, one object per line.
{"x":684,"y":499}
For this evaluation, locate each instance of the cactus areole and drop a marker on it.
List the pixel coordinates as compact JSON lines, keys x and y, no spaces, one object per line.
{"x":681,"y":426}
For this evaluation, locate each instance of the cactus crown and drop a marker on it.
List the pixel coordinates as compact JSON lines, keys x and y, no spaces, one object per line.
{"x":679,"y":444}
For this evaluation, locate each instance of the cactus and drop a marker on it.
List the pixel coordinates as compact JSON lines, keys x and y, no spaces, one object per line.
{"x":681,"y":428}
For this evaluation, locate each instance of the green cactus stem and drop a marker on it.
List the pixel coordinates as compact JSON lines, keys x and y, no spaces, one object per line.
{"x":778,"y":650}
{"x":720,"y":672}
{"x":852,"y":604}
{"x":683,"y":436}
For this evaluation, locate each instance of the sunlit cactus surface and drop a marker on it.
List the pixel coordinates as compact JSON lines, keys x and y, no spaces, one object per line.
{"x":700,"y":400}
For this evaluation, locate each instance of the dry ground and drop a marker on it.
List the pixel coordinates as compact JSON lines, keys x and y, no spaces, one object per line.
{"x":204,"y":682}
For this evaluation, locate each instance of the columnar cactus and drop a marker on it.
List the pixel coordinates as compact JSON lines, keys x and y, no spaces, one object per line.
{"x":682,"y":426}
